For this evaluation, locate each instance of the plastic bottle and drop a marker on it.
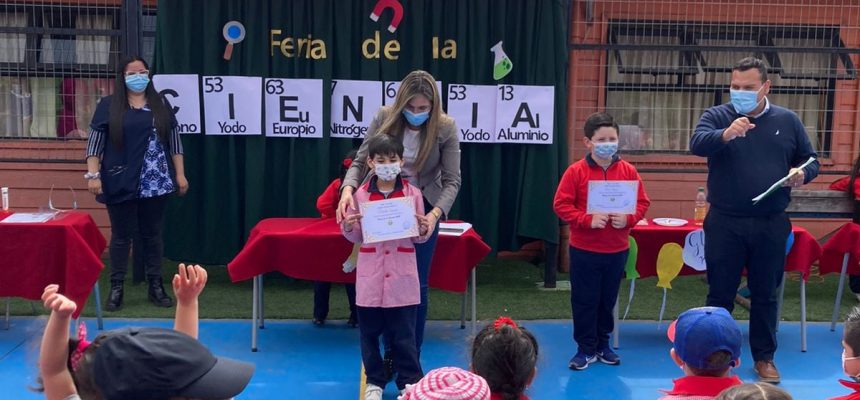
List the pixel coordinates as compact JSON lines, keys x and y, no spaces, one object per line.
{"x":701,"y":206}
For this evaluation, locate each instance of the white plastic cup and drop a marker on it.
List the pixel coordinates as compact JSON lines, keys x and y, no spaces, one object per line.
{"x":5,"y":192}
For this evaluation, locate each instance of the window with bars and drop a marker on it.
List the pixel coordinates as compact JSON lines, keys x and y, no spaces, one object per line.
{"x":57,"y":59}
{"x":147,"y":36}
{"x":662,"y":76}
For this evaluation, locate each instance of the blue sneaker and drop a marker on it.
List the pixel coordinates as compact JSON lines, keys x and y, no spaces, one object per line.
{"x":581,"y":360}
{"x":607,"y":356}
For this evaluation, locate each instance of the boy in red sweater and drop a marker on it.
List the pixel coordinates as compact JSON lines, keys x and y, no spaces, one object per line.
{"x":851,"y":354}
{"x":598,"y":242}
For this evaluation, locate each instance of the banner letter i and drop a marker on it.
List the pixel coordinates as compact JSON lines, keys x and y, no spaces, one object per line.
{"x":230,"y":102}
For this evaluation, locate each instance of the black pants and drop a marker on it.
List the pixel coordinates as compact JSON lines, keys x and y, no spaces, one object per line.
{"x":854,"y":283}
{"x":145,"y":215}
{"x":398,"y":324}
{"x":321,"y":294}
{"x":594,"y":282}
{"x":138,"y":266}
{"x":424,"y":258}
{"x":757,"y":243}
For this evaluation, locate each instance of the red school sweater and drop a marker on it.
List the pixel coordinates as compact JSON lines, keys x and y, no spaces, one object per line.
{"x":842,"y":186}
{"x":571,"y":201}
{"x":327,"y":202}
{"x":851,"y":385}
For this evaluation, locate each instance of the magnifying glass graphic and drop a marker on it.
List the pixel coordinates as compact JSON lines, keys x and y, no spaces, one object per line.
{"x":234,"y":32}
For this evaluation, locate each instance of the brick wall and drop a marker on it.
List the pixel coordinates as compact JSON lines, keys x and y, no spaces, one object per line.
{"x":673,"y":188}
{"x":61,"y":164}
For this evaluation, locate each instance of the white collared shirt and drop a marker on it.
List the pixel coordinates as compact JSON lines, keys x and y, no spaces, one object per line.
{"x":766,"y":109}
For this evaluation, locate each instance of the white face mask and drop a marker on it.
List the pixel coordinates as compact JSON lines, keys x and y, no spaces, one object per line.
{"x":846,"y":359}
{"x":387,"y":172}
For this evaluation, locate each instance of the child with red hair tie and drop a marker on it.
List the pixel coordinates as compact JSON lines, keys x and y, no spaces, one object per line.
{"x":505,"y":354}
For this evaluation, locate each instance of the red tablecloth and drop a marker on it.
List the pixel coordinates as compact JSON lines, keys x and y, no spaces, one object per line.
{"x":651,"y":238}
{"x":314,"y":249}
{"x":846,"y":240}
{"x":66,"y":251}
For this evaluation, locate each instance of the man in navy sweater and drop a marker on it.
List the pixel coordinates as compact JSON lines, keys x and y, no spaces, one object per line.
{"x":750,"y":144}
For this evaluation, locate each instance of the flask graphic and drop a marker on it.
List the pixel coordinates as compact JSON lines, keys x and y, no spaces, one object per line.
{"x":502,"y":65}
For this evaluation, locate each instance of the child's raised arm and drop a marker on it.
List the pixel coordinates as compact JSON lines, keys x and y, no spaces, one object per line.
{"x":187,"y":284}
{"x":54,"y":354}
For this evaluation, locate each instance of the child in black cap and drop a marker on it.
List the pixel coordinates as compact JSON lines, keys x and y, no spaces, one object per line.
{"x":137,"y":363}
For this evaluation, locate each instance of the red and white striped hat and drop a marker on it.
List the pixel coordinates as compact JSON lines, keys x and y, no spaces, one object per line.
{"x":448,"y":383}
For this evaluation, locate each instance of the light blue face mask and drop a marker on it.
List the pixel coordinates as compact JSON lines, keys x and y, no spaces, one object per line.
{"x":416,"y":119}
{"x":745,"y":101}
{"x":605,"y":150}
{"x":137,"y":83}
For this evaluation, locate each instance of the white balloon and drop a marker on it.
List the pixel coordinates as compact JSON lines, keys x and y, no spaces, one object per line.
{"x":694,"y":250}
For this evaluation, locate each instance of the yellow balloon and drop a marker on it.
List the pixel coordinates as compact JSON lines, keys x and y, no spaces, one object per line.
{"x":669,"y":264}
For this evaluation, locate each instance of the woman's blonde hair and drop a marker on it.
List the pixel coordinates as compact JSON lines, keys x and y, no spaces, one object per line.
{"x":416,"y":83}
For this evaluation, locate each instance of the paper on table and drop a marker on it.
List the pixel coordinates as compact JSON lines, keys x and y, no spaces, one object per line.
{"x":780,"y":182}
{"x":24,"y":218}
{"x":454,"y":229}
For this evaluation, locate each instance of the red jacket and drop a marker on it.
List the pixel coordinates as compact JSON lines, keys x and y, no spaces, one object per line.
{"x":851,"y":385}
{"x":571,"y":201}
{"x":842,"y":186}
{"x":700,"y":387}
{"x":327,"y":202}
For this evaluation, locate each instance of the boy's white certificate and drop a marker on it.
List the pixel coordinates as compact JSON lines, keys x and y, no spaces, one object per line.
{"x":612,"y":197}
{"x":389,"y":219}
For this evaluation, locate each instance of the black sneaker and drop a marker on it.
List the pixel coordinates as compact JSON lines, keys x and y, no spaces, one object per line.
{"x":607,"y":356}
{"x":581,"y":360}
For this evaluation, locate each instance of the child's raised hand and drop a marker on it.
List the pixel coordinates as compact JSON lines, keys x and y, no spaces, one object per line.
{"x":599,"y":221}
{"x":618,"y":220}
{"x":189,"y":282}
{"x":57,"y":303}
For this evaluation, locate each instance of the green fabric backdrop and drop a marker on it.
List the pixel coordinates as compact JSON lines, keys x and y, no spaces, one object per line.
{"x":236,"y":181}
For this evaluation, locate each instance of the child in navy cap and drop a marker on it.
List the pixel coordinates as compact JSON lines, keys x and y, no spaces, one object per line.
{"x":707,"y":345}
